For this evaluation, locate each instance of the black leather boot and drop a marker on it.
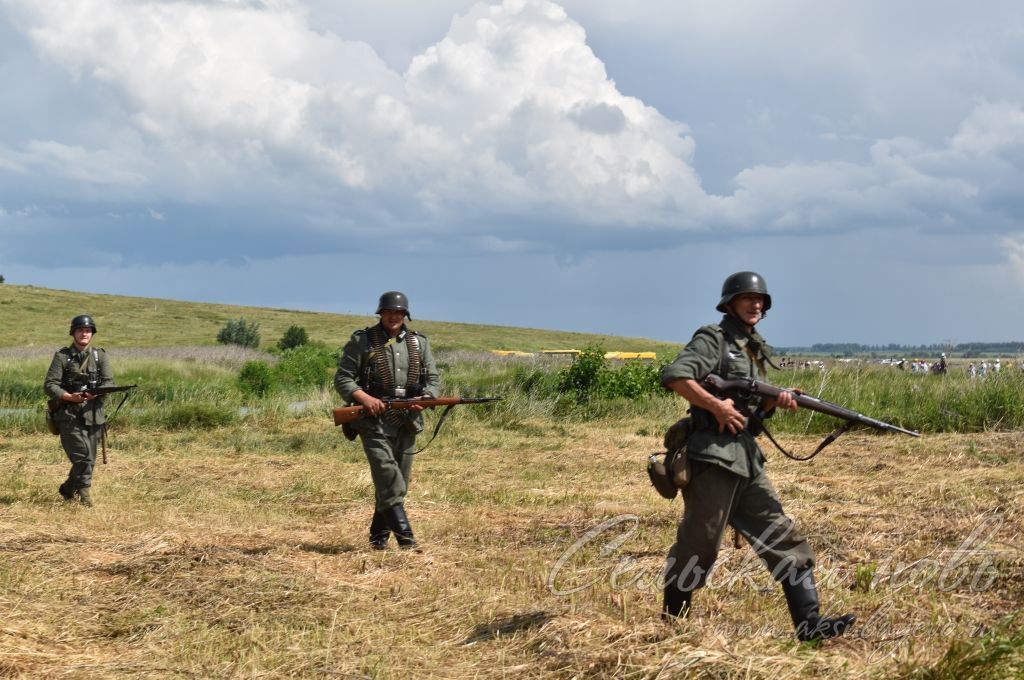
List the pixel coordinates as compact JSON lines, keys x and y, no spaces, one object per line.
{"x":802,"y":598}
{"x":85,"y":496}
{"x":676,"y":604}
{"x":398,"y":522}
{"x":379,"y":532}
{"x":66,"y":491}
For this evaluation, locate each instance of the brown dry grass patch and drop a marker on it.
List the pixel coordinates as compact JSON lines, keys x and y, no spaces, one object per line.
{"x":242,"y":553}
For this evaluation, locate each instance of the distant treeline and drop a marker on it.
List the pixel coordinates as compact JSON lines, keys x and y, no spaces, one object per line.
{"x":965,"y":350}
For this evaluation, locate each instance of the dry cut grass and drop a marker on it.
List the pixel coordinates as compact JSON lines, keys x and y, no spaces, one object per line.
{"x":241,"y":552}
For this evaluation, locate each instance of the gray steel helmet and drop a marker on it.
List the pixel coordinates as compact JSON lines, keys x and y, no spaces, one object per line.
{"x":744,"y":282}
{"x":394,"y":300}
{"x":82,"y":321}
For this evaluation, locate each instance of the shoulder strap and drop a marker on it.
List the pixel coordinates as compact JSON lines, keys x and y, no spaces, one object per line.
{"x":726,"y":339}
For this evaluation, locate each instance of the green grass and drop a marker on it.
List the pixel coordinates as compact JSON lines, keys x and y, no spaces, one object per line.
{"x":39,"y":317}
{"x":230,"y":541}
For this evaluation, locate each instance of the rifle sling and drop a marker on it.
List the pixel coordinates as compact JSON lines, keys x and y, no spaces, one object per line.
{"x":437,"y":428}
{"x":106,"y":424}
{"x":825,"y":442}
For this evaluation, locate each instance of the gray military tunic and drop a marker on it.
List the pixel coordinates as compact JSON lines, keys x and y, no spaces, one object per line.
{"x":388,"y":440}
{"x":728,"y":485}
{"x":81,"y":425}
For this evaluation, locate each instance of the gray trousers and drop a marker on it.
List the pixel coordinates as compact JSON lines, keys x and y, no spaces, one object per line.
{"x":715,"y":499}
{"x":390,"y":458}
{"x":80,"y":442}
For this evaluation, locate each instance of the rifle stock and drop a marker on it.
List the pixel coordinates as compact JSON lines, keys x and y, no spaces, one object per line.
{"x":720,"y":385}
{"x":347,"y":414}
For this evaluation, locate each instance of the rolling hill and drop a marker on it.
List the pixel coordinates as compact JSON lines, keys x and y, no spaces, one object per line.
{"x":38,"y":317}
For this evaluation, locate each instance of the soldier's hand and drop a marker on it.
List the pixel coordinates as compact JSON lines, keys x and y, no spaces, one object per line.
{"x":729,"y":418}
{"x":787,"y":399}
{"x":372,"y":404}
{"x":73,"y":397}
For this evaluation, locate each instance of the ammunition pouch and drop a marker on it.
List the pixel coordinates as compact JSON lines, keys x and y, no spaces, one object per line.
{"x":51,"y":424}
{"x":350,"y":432}
{"x":677,"y":435}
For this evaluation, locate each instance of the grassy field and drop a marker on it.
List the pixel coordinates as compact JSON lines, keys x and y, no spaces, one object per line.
{"x":38,"y":317}
{"x":230,"y":542}
{"x":241,"y":552}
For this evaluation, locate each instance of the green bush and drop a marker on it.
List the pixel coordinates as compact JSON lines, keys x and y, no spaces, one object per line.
{"x":633,"y":380}
{"x":306,"y":366}
{"x":240,"y":332}
{"x":590,"y":377}
{"x":294,"y":337}
{"x":196,"y":416}
{"x":257,"y":379}
{"x":582,"y":378}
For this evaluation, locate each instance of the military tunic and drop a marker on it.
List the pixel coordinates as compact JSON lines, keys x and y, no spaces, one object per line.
{"x":728,"y":485}
{"x":389,"y":440}
{"x":81,"y":425}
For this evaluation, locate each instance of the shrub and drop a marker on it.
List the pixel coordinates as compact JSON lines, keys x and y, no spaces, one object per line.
{"x":294,"y":337}
{"x":256,"y":379}
{"x":582,"y":377}
{"x":197,"y":416}
{"x":240,"y":332}
{"x":589,"y":378}
{"x":633,"y":380}
{"x":2,"y":278}
{"x":306,"y":366}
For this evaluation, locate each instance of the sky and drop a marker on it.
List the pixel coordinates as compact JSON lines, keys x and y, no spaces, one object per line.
{"x":586,"y":165}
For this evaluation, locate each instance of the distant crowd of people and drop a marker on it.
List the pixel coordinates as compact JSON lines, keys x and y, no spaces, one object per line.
{"x":939,"y":367}
{"x":787,"y":362}
{"x":984,"y":368}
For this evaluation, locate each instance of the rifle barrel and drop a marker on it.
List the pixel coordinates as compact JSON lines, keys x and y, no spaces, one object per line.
{"x":764,"y":389}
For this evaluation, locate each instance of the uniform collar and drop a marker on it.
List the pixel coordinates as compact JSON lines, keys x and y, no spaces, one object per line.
{"x":398,"y":338}
{"x":738,"y":330}
{"x":742,"y":337}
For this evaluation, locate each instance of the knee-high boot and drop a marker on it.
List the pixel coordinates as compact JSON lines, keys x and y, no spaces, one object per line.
{"x":398,"y":522}
{"x":676,"y":603}
{"x":802,"y":599}
{"x":379,"y":532}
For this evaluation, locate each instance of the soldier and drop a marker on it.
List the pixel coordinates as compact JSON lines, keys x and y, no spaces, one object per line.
{"x":388,"y":360}
{"x":728,"y":485}
{"x":80,"y":415}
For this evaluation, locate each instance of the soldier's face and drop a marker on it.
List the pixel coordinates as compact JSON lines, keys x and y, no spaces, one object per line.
{"x":82,"y":336}
{"x":748,"y":307}
{"x":392,"y":320}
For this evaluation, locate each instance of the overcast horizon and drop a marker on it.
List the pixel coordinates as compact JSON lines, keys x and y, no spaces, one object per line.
{"x":579,"y":166}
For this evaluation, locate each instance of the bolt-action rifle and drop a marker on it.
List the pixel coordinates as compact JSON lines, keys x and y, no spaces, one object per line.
{"x":746,"y":387}
{"x":91,"y":390}
{"x":345,"y":415}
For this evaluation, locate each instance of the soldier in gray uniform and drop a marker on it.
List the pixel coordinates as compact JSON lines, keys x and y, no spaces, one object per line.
{"x":80,"y":416}
{"x":728,"y":485}
{"x":388,"y":360}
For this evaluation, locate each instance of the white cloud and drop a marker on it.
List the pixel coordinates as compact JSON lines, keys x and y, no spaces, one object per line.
{"x":509,"y":113}
{"x":509,"y":119}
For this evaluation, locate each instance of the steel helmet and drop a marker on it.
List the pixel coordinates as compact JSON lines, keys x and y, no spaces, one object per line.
{"x":82,"y":321}
{"x":394,"y":300}
{"x":744,"y":282}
